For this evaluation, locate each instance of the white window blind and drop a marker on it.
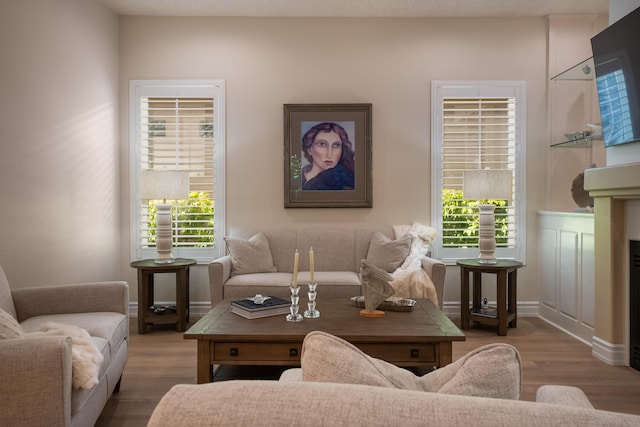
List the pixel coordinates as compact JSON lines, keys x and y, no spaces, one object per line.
{"x":475,"y":127}
{"x":180,"y":132}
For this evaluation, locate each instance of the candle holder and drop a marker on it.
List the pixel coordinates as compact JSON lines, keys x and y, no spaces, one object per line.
{"x":312,"y":313}
{"x":293,"y":315}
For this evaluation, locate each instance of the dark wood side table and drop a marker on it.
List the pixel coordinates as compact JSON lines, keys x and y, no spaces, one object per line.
{"x":506,"y":312}
{"x":146,"y":269}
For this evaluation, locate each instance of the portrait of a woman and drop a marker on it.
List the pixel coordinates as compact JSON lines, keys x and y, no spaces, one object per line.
{"x":327,"y":148}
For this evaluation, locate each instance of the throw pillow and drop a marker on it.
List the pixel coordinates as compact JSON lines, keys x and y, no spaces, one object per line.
{"x":250,"y":256}
{"x":490,"y":371}
{"x":9,"y":327}
{"x":388,"y":254}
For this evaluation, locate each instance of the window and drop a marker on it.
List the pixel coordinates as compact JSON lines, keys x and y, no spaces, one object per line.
{"x":477,"y":125}
{"x":179,"y":125}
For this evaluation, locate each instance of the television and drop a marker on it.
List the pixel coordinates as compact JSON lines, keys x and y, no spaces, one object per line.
{"x":616,"y":56}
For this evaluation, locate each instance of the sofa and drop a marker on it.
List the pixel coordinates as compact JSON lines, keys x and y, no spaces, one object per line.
{"x":248,"y":269}
{"x":339,"y":385}
{"x":41,"y":366}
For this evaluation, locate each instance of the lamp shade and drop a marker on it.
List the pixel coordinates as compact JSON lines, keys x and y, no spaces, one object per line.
{"x":487,"y":184}
{"x":164,"y":184}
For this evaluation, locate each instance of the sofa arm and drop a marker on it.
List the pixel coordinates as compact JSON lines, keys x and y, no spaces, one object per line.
{"x":219,"y":273}
{"x":436,"y":270}
{"x":563,"y":395}
{"x":36,"y":381}
{"x":79,"y":298}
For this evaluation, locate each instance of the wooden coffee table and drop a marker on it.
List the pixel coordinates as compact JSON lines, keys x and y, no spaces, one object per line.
{"x":422,"y":337}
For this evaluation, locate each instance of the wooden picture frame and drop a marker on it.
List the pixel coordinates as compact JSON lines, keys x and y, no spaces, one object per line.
{"x":327,"y":156}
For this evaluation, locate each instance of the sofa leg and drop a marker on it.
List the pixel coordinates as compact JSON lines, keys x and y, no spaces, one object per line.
{"x":117,"y":387}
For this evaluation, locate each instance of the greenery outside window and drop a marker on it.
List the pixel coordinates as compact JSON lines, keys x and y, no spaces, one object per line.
{"x":179,"y":125}
{"x":477,"y":125}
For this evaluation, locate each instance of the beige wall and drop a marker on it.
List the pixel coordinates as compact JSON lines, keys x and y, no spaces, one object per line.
{"x":267,"y":62}
{"x":59,"y":165}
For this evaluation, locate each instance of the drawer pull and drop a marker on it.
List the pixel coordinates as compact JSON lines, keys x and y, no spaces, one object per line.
{"x":293,"y":352}
{"x":233,"y":351}
{"x":415,"y":353}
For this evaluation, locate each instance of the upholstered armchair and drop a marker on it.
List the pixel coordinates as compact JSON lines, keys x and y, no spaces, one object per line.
{"x":36,"y":370}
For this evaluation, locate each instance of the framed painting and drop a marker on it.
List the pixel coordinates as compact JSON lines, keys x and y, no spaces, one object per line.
{"x":327,"y":156}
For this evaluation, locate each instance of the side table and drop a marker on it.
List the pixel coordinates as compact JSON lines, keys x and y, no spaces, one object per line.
{"x":146,"y":269}
{"x":505,"y":314}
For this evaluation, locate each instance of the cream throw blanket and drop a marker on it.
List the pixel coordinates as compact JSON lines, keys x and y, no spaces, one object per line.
{"x":86,"y":359}
{"x":410,"y":280}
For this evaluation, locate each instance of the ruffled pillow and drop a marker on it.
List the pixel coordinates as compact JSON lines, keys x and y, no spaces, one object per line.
{"x":250,"y":256}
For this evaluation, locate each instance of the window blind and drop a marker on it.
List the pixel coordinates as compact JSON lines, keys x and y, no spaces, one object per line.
{"x":177,"y":133}
{"x":477,"y":133}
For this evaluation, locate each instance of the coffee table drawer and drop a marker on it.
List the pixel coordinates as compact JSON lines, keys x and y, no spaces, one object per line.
{"x":402,"y":353}
{"x":257,"y":352}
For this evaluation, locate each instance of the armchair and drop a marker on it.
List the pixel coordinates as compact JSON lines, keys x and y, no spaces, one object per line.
{"x":36,"y":371}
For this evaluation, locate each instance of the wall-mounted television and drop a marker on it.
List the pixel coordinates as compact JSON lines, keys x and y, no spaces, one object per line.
{"x":616,"y":55}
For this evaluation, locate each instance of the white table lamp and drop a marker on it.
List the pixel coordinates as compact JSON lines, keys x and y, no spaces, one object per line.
{"x":164,"y":185}
{"x":487,"y":184}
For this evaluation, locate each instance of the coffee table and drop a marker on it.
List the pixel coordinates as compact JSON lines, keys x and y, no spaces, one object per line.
{"x":422,"y":337}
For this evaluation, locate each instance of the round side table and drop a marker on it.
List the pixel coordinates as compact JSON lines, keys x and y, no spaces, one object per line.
{"x":146,"y":269}
{"x":505,"y":314}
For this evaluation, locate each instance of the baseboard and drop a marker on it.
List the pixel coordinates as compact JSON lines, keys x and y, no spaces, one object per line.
{"x":611,"y":354}
{"x":200,"y":308}
{"x":196,"y":308}
{"x":525,"y":308}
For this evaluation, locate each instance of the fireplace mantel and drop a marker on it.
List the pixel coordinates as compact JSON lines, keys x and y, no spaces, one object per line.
{"x":610,"y":186}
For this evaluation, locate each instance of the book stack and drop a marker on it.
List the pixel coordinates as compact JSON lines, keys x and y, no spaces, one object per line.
{"x":272,"y":306}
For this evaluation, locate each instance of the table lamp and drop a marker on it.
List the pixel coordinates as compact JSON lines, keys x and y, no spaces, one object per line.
{"x":484,"y":185}
{"x":163,"y":185}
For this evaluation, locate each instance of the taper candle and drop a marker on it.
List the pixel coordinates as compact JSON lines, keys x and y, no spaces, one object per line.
{"x":295,"y":269}
{"x":311,"y":263}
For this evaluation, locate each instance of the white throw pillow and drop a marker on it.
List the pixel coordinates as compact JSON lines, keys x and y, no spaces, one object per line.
{"x":388,"y":254}
{"x":250,"y":256}
{"x":9,"y":327}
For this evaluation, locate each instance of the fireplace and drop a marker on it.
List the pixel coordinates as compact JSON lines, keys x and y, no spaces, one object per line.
{"x":616,"y":193}
{"x":634,"y":304}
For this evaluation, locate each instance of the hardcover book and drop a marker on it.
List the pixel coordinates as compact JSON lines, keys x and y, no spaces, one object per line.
{"x":274,"y":311}
{"x":269,"y":304}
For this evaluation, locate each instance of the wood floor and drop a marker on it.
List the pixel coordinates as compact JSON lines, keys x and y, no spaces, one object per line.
{"x":160,"y":359}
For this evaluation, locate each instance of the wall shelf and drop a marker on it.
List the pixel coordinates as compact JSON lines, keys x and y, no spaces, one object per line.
{"x":581,"y":71}
{"x":581,"y":142}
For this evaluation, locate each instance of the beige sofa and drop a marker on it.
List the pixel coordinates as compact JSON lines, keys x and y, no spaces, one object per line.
{"x":340,"y":385}
{"x":338,"y":251}
{"x":36,"y":371}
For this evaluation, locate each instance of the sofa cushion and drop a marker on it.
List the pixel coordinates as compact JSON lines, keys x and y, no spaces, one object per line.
{"x":386,"y":253}
{"x":9,"y":327}
{"x":250,"y":256}
{"x":490,"y":371}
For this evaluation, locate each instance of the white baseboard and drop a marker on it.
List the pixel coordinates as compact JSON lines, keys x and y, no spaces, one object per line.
{"x":525,"y":308}
{"x":611,"y":354}
{"x":200,"y":308}
{"x":196,"y":308}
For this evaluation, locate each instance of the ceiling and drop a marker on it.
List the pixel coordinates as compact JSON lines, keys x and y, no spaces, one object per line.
{"x":358,"y":8}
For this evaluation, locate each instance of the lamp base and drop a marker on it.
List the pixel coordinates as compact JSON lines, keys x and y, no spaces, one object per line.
{"x":487,"y":261}
{"x":164,"y":260}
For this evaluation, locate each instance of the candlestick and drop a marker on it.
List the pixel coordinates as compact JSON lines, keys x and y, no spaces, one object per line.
{"x":311,"y":263}
{"x":295,"y":270}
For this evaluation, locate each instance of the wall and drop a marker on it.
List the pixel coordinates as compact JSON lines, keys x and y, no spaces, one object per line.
{"x":390,"y":63}
{"x":59,"y":170}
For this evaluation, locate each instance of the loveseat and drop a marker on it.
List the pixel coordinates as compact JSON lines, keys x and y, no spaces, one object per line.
{"x":338,"y":251}
{"x":39,"y":369}
{"x":339,"y":385}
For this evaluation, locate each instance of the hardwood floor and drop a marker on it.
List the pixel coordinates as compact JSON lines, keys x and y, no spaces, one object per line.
{"x":160,"y":359}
